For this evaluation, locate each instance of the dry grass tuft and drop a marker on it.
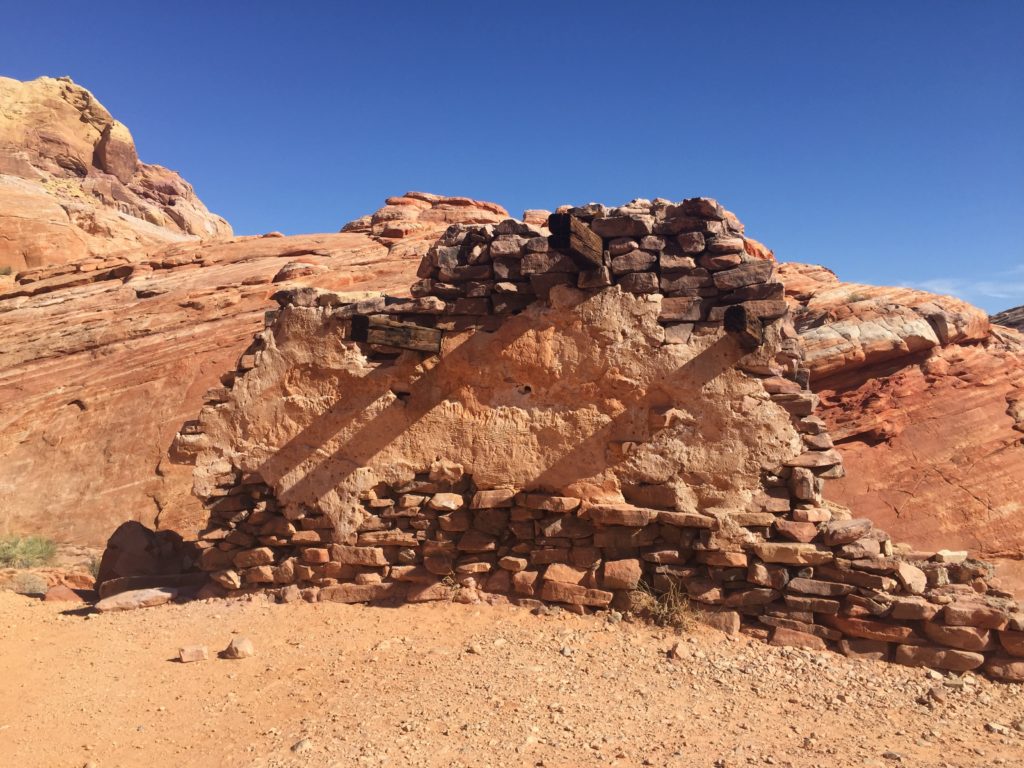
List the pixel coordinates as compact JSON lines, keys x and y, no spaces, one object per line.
{"x":26,"y":551}
{"x":671,"y":608}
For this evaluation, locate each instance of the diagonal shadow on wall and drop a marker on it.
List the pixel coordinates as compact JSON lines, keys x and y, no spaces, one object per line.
{"x":367,"y":430}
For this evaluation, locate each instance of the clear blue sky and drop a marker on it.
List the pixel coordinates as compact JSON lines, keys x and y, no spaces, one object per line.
{"x":882,"y":138}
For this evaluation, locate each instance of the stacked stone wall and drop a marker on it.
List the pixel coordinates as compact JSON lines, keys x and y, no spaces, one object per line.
{"x":787,"y":565}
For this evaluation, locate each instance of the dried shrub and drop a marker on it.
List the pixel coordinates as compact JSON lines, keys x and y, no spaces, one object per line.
{"x":669,"y":608}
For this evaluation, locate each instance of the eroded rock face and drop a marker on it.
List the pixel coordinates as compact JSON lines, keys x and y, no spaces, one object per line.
{"x":104,"y":359}
{"x":1011,"y":318}
{"x":72,"y":185}
{"x":925,"y":400}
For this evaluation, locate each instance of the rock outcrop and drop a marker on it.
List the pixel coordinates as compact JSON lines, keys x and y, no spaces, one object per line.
{"x":1011,"y":318}
{"x":925,"y":400}
{"x":72,"y":185}
{"x":567,"y":415}
{"x":104,"y":358}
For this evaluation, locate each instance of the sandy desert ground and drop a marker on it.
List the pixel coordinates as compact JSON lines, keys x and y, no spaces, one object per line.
{"x":464,"y":685}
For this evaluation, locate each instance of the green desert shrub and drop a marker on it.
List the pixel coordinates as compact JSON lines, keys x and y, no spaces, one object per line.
{"x":26,"y":551}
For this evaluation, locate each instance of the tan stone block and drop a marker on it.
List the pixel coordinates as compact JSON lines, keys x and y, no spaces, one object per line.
{"x":793,"y":638}
{"x":371,"y":556}
{"x":964,"y":638}
{"x":316,"y":555}
{"x":791,"y":554}
{"x":622,"y":574}
{"x":564,"y":574}
{"x":248,"y":558}
{"x":574,"y":594}
{"x":938,"y":658}
{"x":968,"y":614}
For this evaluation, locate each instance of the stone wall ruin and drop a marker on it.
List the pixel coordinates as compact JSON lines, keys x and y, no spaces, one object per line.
{"x":562,"y":413}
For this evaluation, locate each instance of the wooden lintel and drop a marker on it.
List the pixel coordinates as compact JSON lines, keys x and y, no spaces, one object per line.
{"x":575,"y":237}
{"x":380,"y":329}
{"x":745,"y":326}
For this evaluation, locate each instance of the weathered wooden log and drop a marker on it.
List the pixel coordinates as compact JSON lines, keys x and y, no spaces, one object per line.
{"x":745,"y":326}
{"x":379,"y":329}
{"x":574,"y":237}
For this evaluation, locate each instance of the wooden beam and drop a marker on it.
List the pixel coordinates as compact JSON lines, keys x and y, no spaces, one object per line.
{"x":575,"y":237}
{"x":744,"y":325}
{"x":379,"y":329}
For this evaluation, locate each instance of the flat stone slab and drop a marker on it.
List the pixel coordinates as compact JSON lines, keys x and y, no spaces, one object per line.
{"x":136,"y":598}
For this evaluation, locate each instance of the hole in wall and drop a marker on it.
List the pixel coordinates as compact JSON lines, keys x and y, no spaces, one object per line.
{"x":525,"y":389}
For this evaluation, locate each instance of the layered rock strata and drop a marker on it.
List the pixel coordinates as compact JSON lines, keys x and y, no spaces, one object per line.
{"x":104,"y":358}
{"x":925,"y":399}
{"x":618,"y":402}
{"x":72,"y":186}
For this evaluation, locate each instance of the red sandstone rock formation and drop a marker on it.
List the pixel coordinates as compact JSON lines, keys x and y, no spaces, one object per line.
{"x":1011,"y":318}
{"x":72,"y":186}
{"x":103,"y":360}
{"x":925,"y":400}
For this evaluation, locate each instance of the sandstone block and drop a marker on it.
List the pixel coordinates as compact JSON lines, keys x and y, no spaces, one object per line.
{"x":870,"y":629}
{"x":620,"y":514}
{"x":964,"y":638}
{"x":690,"y":242}
{"x":136,"y":598}
{"x":792,"y":554}
{"x":564,"y":574}
{"x":869,"y":650}
{"x":819,"y":588}
{"x":912,"y":578}
{"x":640,"y":282}
{"x":634,"y":261}
{"x":724,"y":621}
{"x":513,"y":564}
{"x":574,"y":594}
{"x":793,"y":638}
{"x":812,"y":604}
{"x":424,"y":593}
{"x":393,"y":538}
{"x":1012,"y":642}
{"x":362,"y":593}
{"x":722,"y":559}
{"x":620,"y":245}
{"x":594,"y":278}
{"x":938,"y":658}
{"x":316,"y":555}
{"x":258,"y":574}
{"x":446,"y":502}
{"x":561,"y":504}
{"x":750,"y":598}
{"x":190,"y":653}
{"x":240,"y":647}
{"x":968,"y":614}
{"x":1006,"y":669}
{"x":910,"y":608}
{"x":815,"y":459}
{"x":622,"y":574}
{"x":525,"y":582}
{"x":687,"y":520}
{"x":623,"y":226}
{"x":496,"y":498}
{"x":369,"y":556}
{"x":249,"y":558}
{"x":812,"y":515}
{"x":681,"y":309}
{"x":228,"y":579}
{"x":744,"y":275}
{"x":803,"y":533}
{"x":839,"y":532}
